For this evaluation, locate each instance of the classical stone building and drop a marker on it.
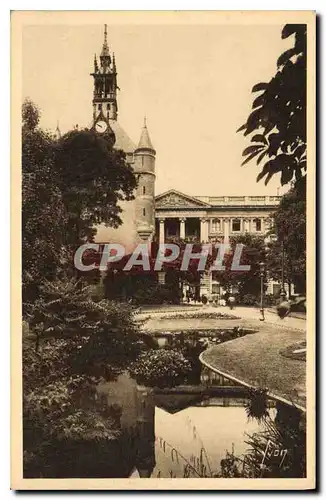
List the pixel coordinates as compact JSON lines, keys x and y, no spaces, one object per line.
{"x":211,"y":218}
{"x":170,"y":215}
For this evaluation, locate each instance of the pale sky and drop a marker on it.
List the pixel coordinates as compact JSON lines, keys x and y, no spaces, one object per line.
{"x":192,"y":82}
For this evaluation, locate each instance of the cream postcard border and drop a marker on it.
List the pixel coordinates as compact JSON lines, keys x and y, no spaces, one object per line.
{"x":18,"y":20}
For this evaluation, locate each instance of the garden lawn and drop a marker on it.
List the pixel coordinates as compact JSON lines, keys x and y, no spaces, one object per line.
{"x":256,"y":361}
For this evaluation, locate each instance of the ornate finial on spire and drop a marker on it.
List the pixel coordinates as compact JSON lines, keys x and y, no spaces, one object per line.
{"x":95,"y":64}
{"x":105,"y":49}
{"x":145,"y":141}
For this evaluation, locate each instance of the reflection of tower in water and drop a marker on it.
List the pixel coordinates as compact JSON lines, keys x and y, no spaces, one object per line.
{"x":145,"y":432}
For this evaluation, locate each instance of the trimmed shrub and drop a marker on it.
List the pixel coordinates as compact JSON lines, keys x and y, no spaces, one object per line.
{"x":160,"y":368}
{"x":249,"y":300}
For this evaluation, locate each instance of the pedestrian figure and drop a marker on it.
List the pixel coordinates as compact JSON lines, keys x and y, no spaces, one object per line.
{"x":231,"y":302}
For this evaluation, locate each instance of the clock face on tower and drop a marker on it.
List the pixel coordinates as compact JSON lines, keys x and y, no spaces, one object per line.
{"x":101,"y":126}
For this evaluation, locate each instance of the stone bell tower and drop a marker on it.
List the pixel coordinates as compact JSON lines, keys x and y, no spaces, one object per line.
{"x":144,"y":167}
{"x":105,"y":84}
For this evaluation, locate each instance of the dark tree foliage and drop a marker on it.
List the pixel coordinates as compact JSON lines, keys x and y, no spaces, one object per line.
{"x":73,"y":341}
{"x":43,"y":212}
{"x":73,"y":344}
{"x":278,"y":119}
{"x":253,"y":252}
{"x":93,"y":178}
{"x":290,"y":229}
{"x":69,"y":186}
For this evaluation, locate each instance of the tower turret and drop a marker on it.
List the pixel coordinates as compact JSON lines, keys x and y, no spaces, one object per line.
{"x":144,"y":167}
{"x":105,"y":84}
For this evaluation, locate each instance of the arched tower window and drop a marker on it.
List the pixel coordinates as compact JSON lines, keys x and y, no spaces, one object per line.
{"x":144,"y":190}
{"x":144,"y":212}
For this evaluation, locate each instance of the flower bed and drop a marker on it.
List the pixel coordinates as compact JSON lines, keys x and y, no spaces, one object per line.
{"x":296,"y":351}
{"x":220,"y":334}
{"x":202,"y":314}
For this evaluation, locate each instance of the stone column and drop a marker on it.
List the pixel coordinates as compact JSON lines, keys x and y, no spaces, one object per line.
{"x":204,"y":230}
{"x":162,"y":227}
{"x":226,"y":228}
{"x":182,"y":228}
{"x":252,"y":225}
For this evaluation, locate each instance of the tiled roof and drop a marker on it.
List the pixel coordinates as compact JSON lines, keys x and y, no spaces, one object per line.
{"x":122,"y":139}
{"x":145,"y":141}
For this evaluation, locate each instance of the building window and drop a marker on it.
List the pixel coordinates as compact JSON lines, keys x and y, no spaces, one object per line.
{"x":216,"y":225}
{"x":236,"y":225}
{"x":257,"y":224}
{"x":99,"y":107}
{"x":144,"y":212}
{"x":144,"y":190}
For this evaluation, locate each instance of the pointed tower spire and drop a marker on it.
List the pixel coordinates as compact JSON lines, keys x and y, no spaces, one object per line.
{"x":105,"y":49}
{"x":145,"y":140}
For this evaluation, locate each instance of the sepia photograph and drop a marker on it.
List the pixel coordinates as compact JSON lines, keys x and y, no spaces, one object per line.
{"x":163,"y":214}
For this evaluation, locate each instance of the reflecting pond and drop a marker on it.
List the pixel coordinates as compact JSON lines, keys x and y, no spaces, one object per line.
{"x":178,"y":434}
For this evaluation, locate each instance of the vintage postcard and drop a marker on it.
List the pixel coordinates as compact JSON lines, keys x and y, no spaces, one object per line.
{"x":163,"y":215}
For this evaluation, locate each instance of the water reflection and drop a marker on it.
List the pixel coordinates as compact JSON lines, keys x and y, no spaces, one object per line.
{"x":193,"y":442}
{"x":187,"y":437}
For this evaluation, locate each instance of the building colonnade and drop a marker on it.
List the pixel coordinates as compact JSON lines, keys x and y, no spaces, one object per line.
{"x":219,"y":227}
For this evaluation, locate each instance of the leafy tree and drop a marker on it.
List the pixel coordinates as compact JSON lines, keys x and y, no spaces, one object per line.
{"x":290,"y":230}
{"x":253,"y":252}
{"x":43,"y":214}
{"x":69,"y":186}
{"x":107,"y":330}
{"x":74,"y":343}
{"x":278,"y":119}
{"x":93,"y":178}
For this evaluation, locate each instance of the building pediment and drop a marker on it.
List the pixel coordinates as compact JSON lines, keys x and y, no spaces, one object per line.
{"x":175,"y":199}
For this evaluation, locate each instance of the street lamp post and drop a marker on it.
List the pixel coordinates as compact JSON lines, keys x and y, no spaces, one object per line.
{"x":283,"y":293}
{"x":262,"y":271}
